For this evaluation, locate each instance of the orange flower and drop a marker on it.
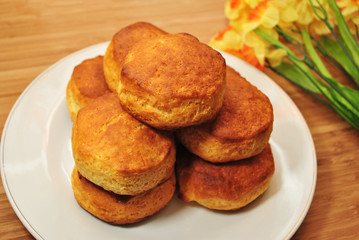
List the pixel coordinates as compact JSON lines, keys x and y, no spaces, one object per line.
{"x":220,"y":35}
{"x":234,"y":3}
{"x":265,"y":14}
{"x":350,"y":11}
{"x":247,"y":54}
{"x":256,"y":13}
{"x":245,"y":16}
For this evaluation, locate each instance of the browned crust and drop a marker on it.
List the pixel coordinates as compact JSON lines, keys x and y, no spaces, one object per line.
{"x":121,"y":209}
{"x":246,"y":111}
{"x":174,"y":66}
{"x":226,"y":186}
{"x":117,"y":152}
{"x":172,"y":81}
{"x":216,"y":150}
{"x":119,"y":46}
{"x":124,"y":39}
{"x":87,"y":83}
{"x":241,"y":129}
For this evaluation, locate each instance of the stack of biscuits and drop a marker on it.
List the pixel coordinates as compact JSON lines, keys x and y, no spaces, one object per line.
{"x":161,"y":111}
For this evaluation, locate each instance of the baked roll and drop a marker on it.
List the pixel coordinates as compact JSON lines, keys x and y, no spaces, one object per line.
{"x":121,"y":209}
{"x":119,"y":46}
{"x":118,"y":153}
{"x":225,"y":186}
{"x":172,"y":81}
{"x":241,"y":129}
{"x":87,"y":83}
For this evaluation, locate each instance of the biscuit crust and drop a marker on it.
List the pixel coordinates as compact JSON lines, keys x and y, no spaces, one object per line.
{"x":225,"y":186}
{"x":119,"y":46}
{"x":117,"y":152}
{"x":121,"y":209}
{"x":241,"y":129}
{"x":172,"y":81}
{"x":87,"y":83}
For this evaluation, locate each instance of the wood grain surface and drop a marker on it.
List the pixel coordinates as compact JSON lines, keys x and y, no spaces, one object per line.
{"x":34,"y":34}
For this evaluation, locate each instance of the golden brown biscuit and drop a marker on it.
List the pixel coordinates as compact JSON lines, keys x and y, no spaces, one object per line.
{"x":241,"y":129}
{"x":87,"y":83}
{"x":119,"y":46}
{"x":121,"y":209}
{"x":224,"y":186}
{"x":117,"y":152}
{"x":172,"y":81}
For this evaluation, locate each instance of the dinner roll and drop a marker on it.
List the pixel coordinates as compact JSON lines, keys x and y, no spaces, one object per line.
{"x":172,"y":81}
{"x":117,"y":152}
{"x":241,"y":129}
{"x":87,"y":83}
{"x":121,"y":209}
{"x":224,"y":186}
{"x":119,"y":46}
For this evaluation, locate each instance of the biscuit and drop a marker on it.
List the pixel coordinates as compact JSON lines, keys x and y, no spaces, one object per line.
{"x":117,"y":152}
{"x":241,"y":129}
{"x":224,"y":186}
{"x":119,"y":46}
{"x":121,"y":209}
{"x":172,"y":81}
{"x":87,"y":83}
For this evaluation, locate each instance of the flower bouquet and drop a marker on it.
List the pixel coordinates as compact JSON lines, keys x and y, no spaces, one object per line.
{"x":292,"y":37}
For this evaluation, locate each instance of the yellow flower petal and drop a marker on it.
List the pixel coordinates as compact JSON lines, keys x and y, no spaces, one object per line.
{"x":349,"y":7}
{"x":238,"y":23}
{"x":275,"y":57}
{"x":253,"y":3}
{"x":288,"y":14}
{"x":250,"y":26}
{"x":251,"y":39}
{"x":273,"y":33}
{"x":231,"y":9}
{"x":320,"y":27}
{"x":259,"y":52}
{"x":349,"y":10}
{"x":304,"y":11}
{"x":352,"y":25}
{"x":355,"y":20}
{"x":230,"y":40}
{"x":270,"y":17}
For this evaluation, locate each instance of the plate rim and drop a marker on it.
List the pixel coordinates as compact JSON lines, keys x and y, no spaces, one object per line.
{"x":28,"y":88}
{"x":38,"y":78}
{"x":312,"y":145}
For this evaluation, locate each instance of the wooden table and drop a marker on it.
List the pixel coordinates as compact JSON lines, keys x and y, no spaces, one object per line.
{"x":34,"y":34}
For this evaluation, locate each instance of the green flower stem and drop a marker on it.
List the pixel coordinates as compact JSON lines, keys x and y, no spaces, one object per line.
{"x":346,"y":107}
{"x":334,"y":54}
{"x":348,"y":39}
{"x":296,"y":76}
{"x":333,"y":49}
{"x":313,"y":54}
{"x":343,"y":91}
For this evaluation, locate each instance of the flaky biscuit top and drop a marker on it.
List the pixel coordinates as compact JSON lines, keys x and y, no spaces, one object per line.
{"x":245,"y":113}
{"x":229,"y":180}
{"x":89,"y":78}
{"x":124,"y":39}
{"x":106,"y":132}
{"x":175,"y":65}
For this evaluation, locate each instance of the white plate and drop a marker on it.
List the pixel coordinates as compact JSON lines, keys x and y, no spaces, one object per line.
{"x":36,"y":163}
